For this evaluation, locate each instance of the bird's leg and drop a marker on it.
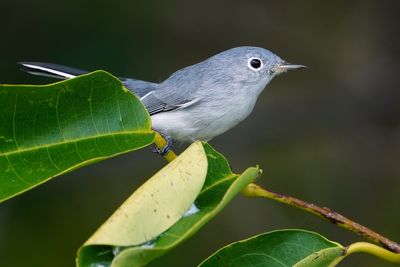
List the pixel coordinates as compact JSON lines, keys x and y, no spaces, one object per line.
{"x":163,"y":151}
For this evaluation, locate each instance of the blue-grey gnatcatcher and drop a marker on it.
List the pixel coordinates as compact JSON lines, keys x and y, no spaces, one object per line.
{"x":200,"y":101}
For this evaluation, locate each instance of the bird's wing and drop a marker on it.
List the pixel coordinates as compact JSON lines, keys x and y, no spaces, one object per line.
{"x":156,"y":98}
{"x":138,"y":87}
{"x":167,"y":99}
{"x":179,"y":91}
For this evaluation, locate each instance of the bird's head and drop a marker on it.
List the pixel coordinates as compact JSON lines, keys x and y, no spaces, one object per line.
{"x":251,"y":66}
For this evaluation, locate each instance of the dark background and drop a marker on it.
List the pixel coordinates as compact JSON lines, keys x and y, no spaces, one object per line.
{"x":329,"y":134}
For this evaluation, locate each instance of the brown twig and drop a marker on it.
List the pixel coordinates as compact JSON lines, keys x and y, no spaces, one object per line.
{"x":253,"y":190}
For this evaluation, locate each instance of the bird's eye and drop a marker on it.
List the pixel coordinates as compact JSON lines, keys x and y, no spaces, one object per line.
{"x":255,"y":63}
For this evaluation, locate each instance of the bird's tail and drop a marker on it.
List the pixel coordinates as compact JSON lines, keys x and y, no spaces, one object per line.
{"x":51,"y":70}
{"x":138,"y":87}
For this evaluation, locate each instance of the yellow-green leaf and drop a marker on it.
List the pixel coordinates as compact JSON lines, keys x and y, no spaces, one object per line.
{"x":220,"y":186}
{"x":157,"y":204}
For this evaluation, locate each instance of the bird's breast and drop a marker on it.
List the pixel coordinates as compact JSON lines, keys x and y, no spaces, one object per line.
{"x":207,"y":118}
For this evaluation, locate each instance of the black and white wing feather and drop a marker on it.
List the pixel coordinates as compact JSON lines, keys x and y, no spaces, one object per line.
{"x":139,"y":87}
{"x":154,"y":104}
{"x":177,"y":92}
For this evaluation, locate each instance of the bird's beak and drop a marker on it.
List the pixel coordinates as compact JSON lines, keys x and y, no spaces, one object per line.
{"x":284,"y":66}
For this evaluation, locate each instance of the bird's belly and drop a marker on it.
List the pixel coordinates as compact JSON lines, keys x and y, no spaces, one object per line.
{"x":179,"y":125}
{"x":200,"y":122}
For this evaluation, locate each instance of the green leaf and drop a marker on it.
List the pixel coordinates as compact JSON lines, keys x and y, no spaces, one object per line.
{"x":279,"y":248}
{"x":220,"y":186}
{"x":49,"y":130}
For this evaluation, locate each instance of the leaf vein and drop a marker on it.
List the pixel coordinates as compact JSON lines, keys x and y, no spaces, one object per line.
{"x":57,"y":115}
{"x":14,"y":114}
{"x":15,"y":172}
{"x":51,"y":160}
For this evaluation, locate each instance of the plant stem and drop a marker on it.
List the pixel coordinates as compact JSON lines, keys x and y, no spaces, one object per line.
{"x":253,"y":190}
{"x":373,"y":250}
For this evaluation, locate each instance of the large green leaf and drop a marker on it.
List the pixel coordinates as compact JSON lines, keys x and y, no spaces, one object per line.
{"x":279,"y":248}
{"x":220,"y":186}
{"x":48,"y":130}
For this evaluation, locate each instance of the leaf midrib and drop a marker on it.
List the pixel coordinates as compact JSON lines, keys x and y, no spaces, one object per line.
{"x":227,"y":178}
{"x":70,"y":141}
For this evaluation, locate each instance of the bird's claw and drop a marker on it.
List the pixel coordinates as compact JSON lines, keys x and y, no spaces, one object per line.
{"x":163,"y":151}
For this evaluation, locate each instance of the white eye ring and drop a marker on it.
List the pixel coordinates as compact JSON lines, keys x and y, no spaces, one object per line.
{"x":255,"y":63}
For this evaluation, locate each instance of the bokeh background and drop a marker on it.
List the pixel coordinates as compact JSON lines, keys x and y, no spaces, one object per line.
{"x":329,"y":134}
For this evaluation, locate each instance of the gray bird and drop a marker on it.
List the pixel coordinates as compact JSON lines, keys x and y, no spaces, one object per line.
{"x":200,"y":101}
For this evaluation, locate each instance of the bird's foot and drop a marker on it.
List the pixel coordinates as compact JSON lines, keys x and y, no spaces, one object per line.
{"x":163,"y":151}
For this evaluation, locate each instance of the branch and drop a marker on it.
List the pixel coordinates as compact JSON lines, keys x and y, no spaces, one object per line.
{"x":253,"y":190}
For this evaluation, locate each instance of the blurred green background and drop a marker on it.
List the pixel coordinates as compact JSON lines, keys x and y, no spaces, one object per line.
{"x":329,"y":134}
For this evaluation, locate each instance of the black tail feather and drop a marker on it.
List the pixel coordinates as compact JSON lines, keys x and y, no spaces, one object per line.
{"x":138,"y":87}
{"x":50,"y":70}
